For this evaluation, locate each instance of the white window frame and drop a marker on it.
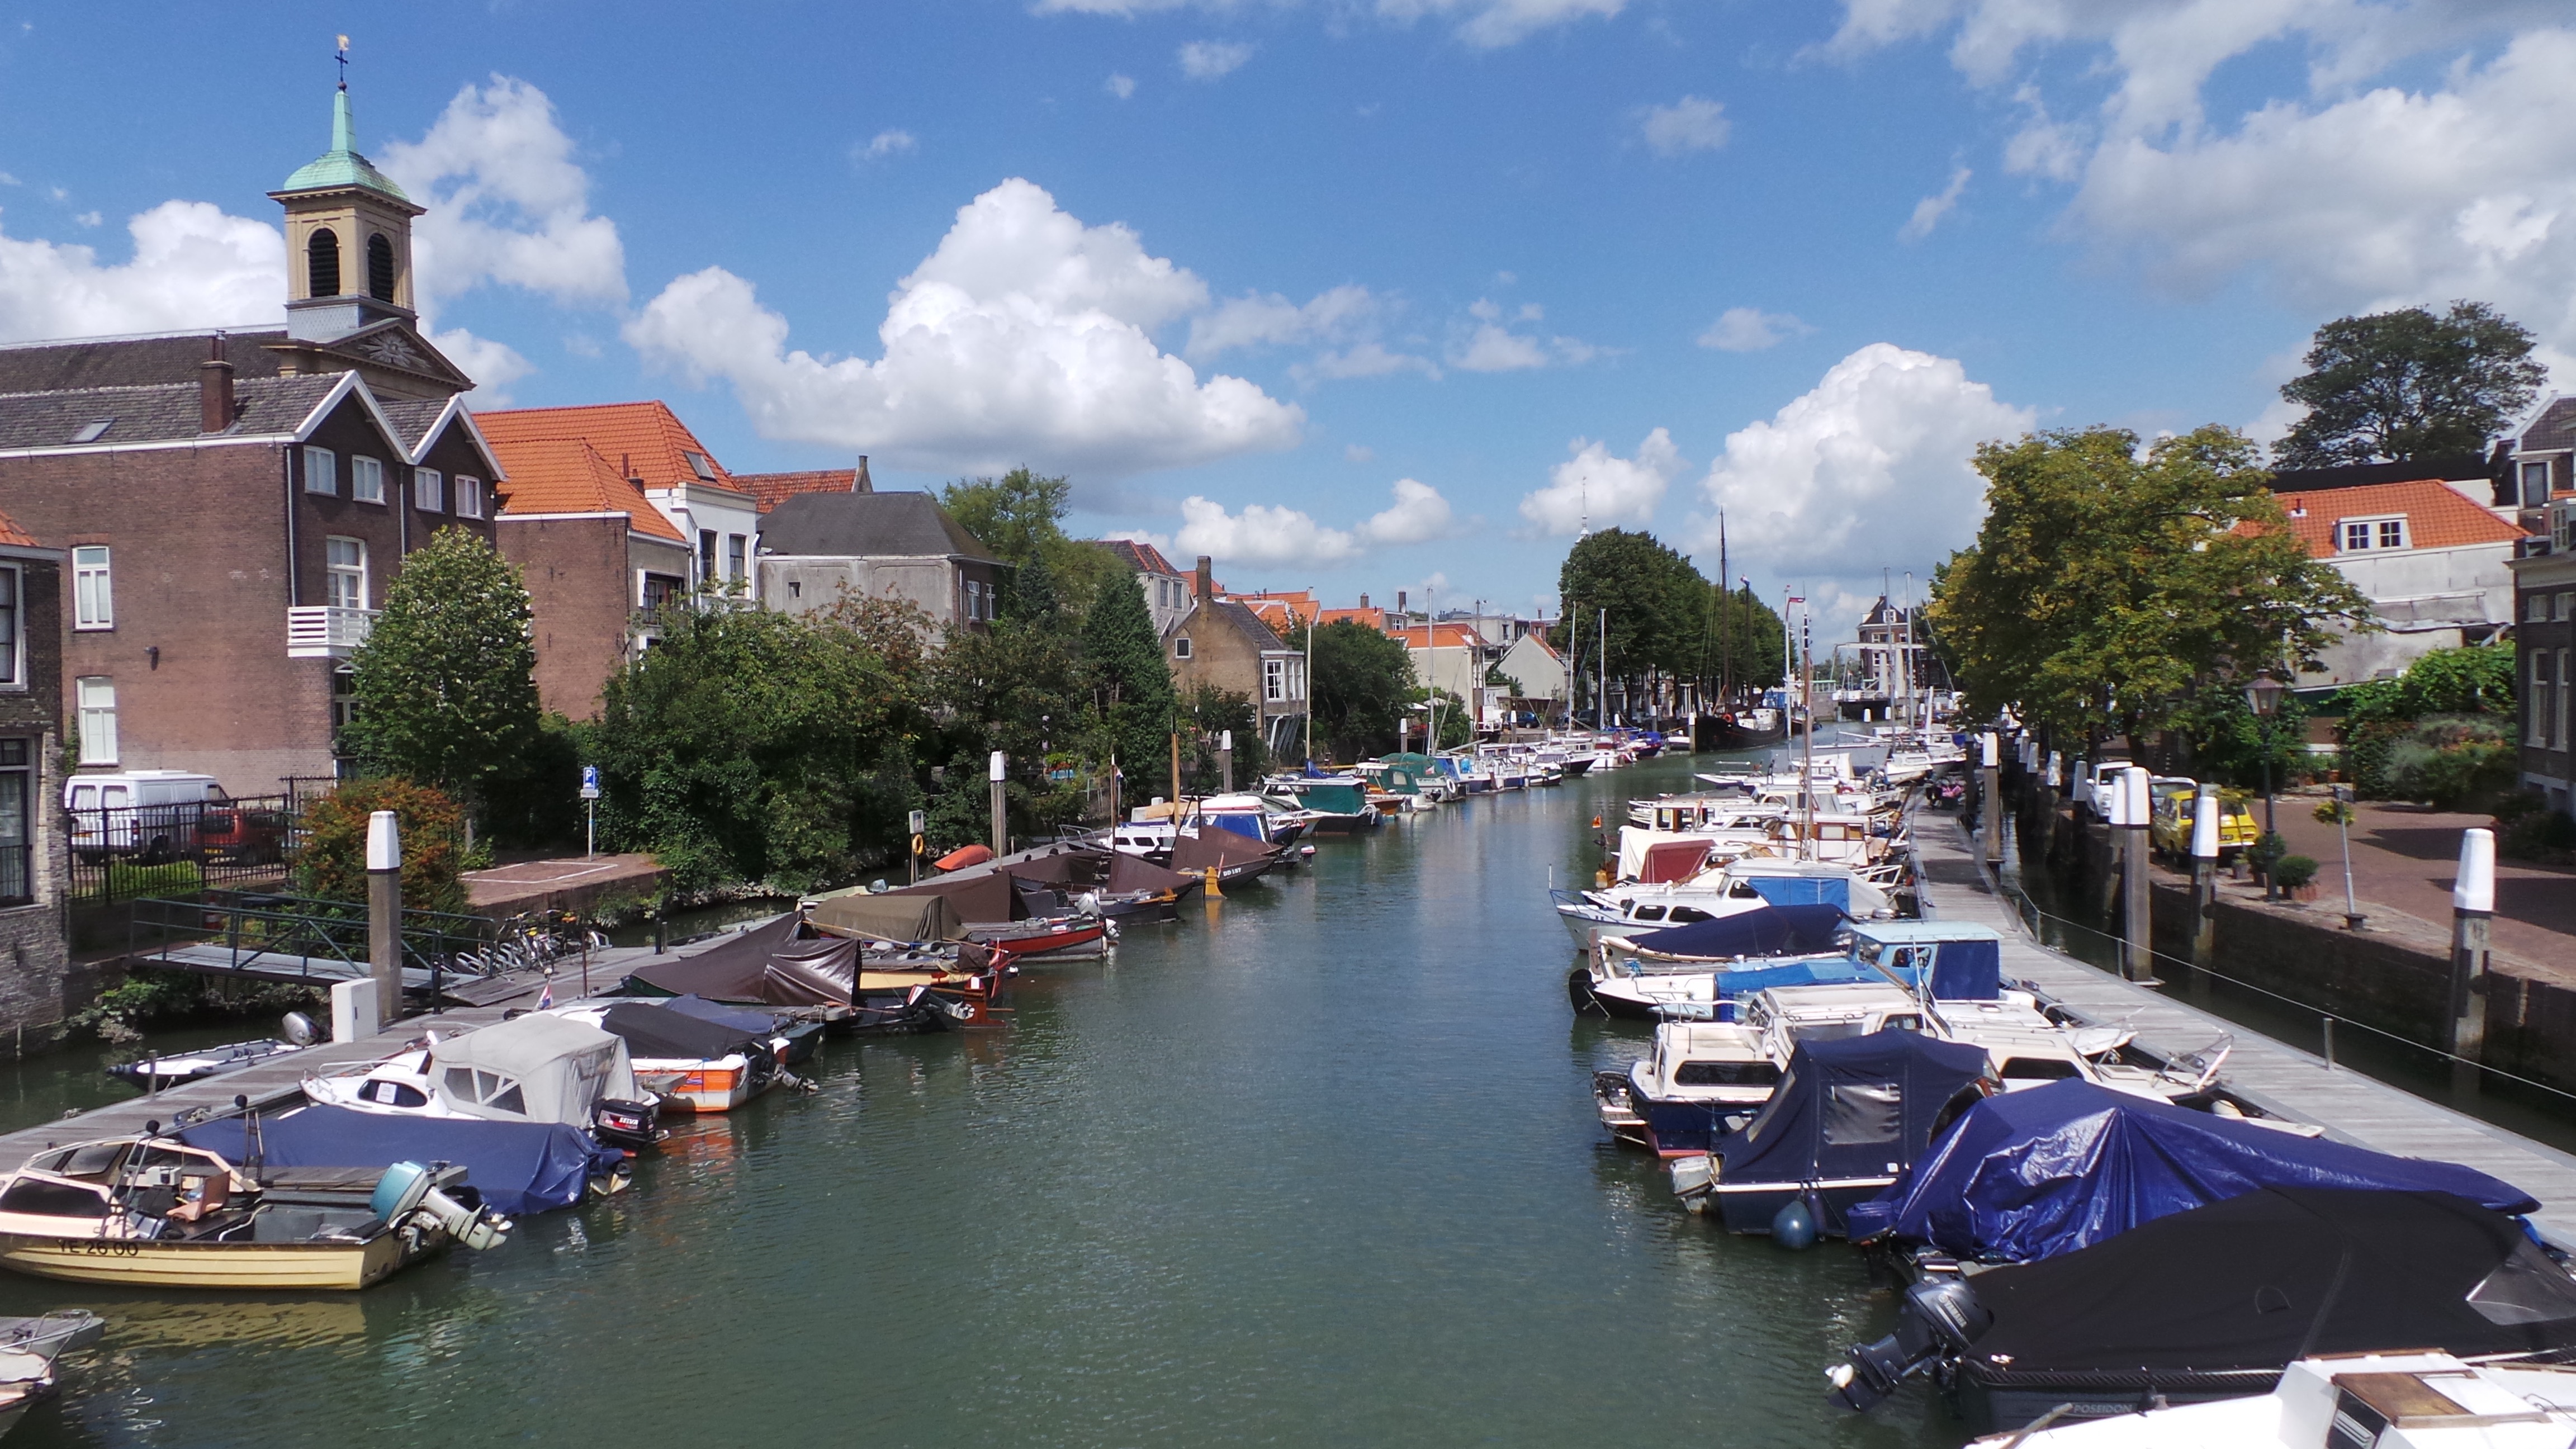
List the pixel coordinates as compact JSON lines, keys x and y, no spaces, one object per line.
{"x":1274,"y":681}
{"x":93,"y":587}
{"x":469,"y":496}
{"x":2564,"y":693}
{"x":321,"y":471}
{"x":2566,"y":607}
{"x":334,"y":570}
{"x":366,"y":478}
{"x":2372,"y":531}
{"x":2536,"y":726}
{"x":94,"y":698}
{"x":2537,"y":612}
{"x":428,"y":490}
{"x":737,"y":559}
{"x":1180,"y":646}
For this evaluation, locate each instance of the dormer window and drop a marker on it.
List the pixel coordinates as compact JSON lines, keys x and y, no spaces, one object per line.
{"x":2362,"y":535}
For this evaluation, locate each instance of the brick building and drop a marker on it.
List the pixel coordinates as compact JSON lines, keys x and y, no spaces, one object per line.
{"x":1223,"y":642}
{"x":2542,"y":460}
{"x":820,"y":546}
{"x":234,"y":506}
{"x":610,"y":512}
{"x":34,"y":854}
{"x":1168,"y":596}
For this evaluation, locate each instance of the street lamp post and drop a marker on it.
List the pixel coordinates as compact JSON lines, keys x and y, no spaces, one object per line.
{"x":2263,"y":696}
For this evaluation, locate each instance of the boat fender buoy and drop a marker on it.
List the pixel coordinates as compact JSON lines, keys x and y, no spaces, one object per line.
{"x":1793,"y":1226}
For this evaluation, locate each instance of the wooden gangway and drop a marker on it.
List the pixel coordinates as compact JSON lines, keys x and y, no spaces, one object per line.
{"x":2282,"y":1079}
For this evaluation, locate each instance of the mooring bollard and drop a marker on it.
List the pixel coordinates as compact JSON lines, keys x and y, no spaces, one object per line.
{"x":2472,"y":917}
{"x":2130,"y":807}
{"x":1989,"y":806}
{"x":384,"y":914}
{"x":2204,"y":887}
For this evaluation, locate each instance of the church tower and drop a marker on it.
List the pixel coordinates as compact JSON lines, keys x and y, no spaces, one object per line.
{"x":348,"y":240}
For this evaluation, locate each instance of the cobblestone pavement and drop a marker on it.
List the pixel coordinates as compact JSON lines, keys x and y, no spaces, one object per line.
{"x":2406,"y":857}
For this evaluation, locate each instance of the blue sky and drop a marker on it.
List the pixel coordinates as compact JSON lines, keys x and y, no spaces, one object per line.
{"x":1367,"y":295}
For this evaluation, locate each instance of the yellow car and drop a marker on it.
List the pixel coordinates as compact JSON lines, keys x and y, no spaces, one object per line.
{"x":2169,"y":829}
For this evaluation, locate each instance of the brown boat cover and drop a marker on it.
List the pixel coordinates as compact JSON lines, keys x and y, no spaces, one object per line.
{"x":1222,"y":848}
{"x":1135,"y":873}
{"x":910,"y":914}
{"x":980,"y":896}
{"x":779,"y":964}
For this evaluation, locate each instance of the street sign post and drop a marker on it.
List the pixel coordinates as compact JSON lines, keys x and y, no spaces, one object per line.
{"x":590,"y":811}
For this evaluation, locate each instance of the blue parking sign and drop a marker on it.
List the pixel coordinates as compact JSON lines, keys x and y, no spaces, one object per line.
{"x":590,"y":782}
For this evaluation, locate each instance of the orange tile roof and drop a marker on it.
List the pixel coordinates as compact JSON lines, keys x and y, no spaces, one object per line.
{"x":646,"y":437}
{"x":1139,"y":555}
{"x":11,"y":533}
{"x":568,"y":475}
{"x":1435,"y":636}
{"x":1374,"y":618}
{"x":772,"y":489}
{"x":2437,"y":516}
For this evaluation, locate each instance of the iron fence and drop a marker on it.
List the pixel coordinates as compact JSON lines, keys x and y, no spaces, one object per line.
{"x":298,"y":938}
{"x":135,"y":851}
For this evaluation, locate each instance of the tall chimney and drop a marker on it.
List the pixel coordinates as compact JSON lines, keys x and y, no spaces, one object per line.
{"x":214,"y":389}
{"x":1399,"y":601}
{"x":860,"y":482}
{"x":1363,"y":601}
{"x":1207,"y":579}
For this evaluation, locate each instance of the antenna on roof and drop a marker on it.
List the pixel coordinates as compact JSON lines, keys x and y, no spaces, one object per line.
{"x":343,"y":57}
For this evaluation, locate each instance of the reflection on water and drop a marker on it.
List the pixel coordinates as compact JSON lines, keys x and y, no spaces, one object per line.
{"x":1323,"y":1171}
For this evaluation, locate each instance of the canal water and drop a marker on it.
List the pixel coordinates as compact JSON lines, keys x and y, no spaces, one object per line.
{"x":1317,"y":1165}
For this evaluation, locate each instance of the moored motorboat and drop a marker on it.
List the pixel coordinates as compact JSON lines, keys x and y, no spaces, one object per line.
{"x":2346,"y":1401}
{"x":29,"y":1351}
{"x":534,"y":1068}
{"x":159,"y":1072}
{"x":690,"y":1065}
{"x":1704,"y":1080}
{"x":154,"y":1212}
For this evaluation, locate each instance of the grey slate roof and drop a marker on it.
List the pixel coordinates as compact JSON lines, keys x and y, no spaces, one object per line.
{"x":1246,"y":623}
{"x":867,"y":525}
{"x":412,"y":417}
{"x":131,"y":361}
{"x":2555,"y":428}
{"x":154,"y":414}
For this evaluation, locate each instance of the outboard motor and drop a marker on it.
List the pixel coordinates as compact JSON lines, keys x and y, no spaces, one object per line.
{"x":624,"y":1122}
{"x":409,"y":1191}
{"x":1941,"y":1319}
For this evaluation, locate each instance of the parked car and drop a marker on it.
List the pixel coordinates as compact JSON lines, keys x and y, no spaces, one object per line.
{"x":2093,"y":792}
{"x":236,"y":832}
{"x":153,"y":816}
{"x":2169,"y":829}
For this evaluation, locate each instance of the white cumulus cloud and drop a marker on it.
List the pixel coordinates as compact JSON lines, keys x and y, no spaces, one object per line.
{"x":507,"y":204}
{"x":1025,"y":337}
{"x":1871,"y":468}
{"x":193,"y":266}
{"x":1490,"y":345}
{"x":1598,"y":489}
{"x":1121,"y":86}
{"x":1687,"y":125}
{"x":1749,"y":329}
{"x":1265,"y":533}
{"x":1207,"y":60}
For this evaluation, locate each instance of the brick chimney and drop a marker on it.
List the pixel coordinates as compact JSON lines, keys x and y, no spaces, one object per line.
{"x":1399,"y":601}
{"x":1207,"y":579}
{"x":214,"y":389}
{"x":1363,"y":601}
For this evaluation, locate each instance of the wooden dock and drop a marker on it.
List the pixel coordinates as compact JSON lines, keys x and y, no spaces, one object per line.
{"x":2280,"y":1078}
{"x":280,"y":1079}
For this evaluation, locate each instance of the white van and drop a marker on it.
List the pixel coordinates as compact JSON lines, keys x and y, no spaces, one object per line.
{"x":153,"y":814}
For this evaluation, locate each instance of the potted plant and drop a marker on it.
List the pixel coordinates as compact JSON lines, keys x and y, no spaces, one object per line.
{"x":2296,"y":874}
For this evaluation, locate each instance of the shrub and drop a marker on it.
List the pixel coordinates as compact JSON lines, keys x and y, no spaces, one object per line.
{"x":2293,"y":871}
{"x":2453,"y":761}
{"x":2533,"y":831}
{"x":333,"y":861}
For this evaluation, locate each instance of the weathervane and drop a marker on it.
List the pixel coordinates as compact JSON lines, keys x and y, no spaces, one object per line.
{"x":343,"y":57}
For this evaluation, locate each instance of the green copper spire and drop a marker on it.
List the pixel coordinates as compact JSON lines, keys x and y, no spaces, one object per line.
{"x":342,"y":165}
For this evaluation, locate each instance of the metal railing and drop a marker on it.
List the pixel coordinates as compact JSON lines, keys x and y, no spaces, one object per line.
{"x":171,"y":850}
{"x":325,"y":631}
{"x":286,"y":937}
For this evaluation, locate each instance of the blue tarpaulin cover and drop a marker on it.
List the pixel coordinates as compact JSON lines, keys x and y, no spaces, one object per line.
{"x":1849,"y":1108}
{"x":1766,"y":930}
{"x":519,"y":1167}
{"x":1967,"y":971}
{"x":1803,"y":890}
{"x":2031,"y":1175}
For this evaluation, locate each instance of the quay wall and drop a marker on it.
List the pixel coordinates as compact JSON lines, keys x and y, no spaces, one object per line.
{"x":2393,"y":976}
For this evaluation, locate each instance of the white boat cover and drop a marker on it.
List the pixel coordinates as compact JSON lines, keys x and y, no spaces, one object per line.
{"x":534,"y":1068}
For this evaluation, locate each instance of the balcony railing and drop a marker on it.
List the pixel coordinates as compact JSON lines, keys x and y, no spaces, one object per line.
{"x":325,"y":632}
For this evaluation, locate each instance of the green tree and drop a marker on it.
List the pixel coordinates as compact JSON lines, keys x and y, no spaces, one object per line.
{"x":1207,"y":713}
{"x":332,"y":863}
{"x":1361,"y":683}
{"x":1131,"y":685}
{"x":1657,"y":607}
{"x":1746,"y":641}
{"x":445,"y":683}
{"x":749,"y":746}
{"x":2107,"y":587}
{"x":1020,"y":516}
{"x":2405,"y":384}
